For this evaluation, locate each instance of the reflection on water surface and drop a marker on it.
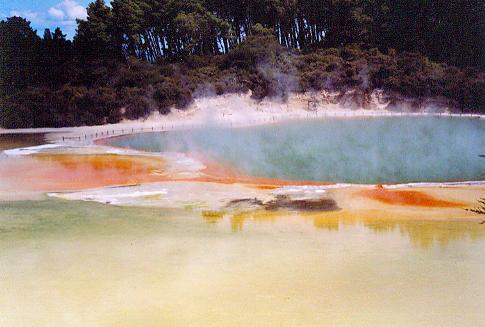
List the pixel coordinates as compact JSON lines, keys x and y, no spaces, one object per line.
{"x":78,"y":263}
{"x":421,"y":233}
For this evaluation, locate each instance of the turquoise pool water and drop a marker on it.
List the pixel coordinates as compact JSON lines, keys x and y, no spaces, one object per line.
{"x":360,"y":150}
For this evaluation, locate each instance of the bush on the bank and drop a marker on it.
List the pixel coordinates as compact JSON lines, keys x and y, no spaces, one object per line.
{"x":134,"y":103}
{"x":107,"y":92}
{"x":136,"y":73}
{"x":69,"y":106}
{"x":408,"y":74}
{"x":170,"y":92}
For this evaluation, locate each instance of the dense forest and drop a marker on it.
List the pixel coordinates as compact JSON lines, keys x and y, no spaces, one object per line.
{"x":132,"y":57}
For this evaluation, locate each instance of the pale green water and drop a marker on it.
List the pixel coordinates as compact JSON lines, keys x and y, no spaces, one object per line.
{"x":84,"y":264}
{"x":360,"y":150}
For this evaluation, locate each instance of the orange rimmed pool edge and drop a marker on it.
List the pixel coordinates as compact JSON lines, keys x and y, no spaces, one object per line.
{"x":59,"y":172}
{"x":407,"y":198}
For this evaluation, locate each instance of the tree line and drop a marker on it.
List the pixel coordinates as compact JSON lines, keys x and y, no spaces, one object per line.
{"x":444,"y":30}
{"x":135,"y":56}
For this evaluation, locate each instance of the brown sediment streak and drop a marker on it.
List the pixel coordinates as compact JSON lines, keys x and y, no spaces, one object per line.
{"x":212,"y":216}
{"x":11,"y":141}
{"x":104,"y":140}
{"x":266,"y":187}
{"x":407,"y":198}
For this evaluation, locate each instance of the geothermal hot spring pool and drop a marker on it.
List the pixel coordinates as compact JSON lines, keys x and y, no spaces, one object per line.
{"x":81,"y":263}
{"x":361,"y":150}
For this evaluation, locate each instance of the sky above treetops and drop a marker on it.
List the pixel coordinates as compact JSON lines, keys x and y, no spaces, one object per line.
{"x":47,"y":13}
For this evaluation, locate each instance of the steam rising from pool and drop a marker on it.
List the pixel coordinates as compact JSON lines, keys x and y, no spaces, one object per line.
{"x":358,"y":150}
